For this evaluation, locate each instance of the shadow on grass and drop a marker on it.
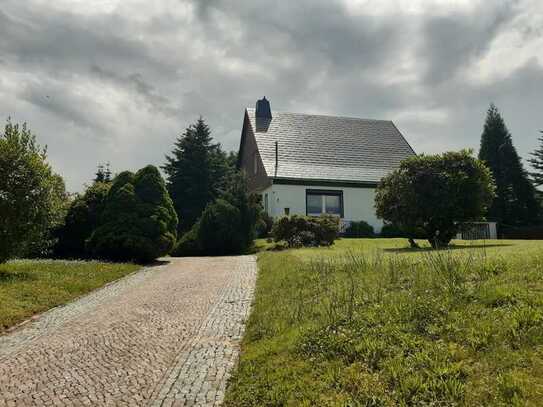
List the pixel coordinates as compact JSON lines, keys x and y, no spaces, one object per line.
{"x":7,"y":277}
{"x":450,"y":247}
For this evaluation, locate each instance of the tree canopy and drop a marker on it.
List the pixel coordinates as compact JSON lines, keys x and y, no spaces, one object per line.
{"x":537,"y":163}
{"x":515,"y":202}
{"x":196,"y":173}
{"x":435,"y":193}
{"x":32,"y":196}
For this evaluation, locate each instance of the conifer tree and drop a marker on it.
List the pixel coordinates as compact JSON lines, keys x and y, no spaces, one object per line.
{"x":196,"y":173}
{"x":537,"y":163}
{"x":515,"y":202}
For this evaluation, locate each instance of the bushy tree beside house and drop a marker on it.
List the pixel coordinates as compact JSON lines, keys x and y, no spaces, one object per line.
{"x":227,"y":225}
{"x":81,"y":220}
{"x":515,"y":202}
{"x":32,"y":196}
{"x":196,"y":173}
{"x":435,"y":193}
{"x":138,"y":222}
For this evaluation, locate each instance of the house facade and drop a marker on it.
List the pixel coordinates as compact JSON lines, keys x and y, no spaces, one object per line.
{"x":314,"y":164}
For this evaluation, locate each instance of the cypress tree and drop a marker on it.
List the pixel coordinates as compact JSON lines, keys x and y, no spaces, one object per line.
{"x":515,"y":202}
{"x":537,"y":163}
{"x":196,"y":172}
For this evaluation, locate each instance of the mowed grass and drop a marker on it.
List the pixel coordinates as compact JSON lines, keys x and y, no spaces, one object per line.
{"x":28,"y":287}
{"x":372,"y":323}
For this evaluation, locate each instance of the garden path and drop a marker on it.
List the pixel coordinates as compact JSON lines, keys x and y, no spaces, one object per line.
{"x":167,"y":335}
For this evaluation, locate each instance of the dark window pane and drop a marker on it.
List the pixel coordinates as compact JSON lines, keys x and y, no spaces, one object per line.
{"x":333,"y":204}
{"x":314,"y":204}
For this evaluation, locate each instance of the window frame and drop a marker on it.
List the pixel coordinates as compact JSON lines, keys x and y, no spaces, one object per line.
{"x":323,"y":193}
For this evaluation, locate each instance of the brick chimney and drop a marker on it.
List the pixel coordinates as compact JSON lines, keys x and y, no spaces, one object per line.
{"x":263,"y":109}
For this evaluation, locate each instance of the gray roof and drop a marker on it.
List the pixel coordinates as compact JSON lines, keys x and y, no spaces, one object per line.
{"x":329,"y":148}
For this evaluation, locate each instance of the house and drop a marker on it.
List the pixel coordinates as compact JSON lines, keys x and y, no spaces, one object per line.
{"x":312,"y":164}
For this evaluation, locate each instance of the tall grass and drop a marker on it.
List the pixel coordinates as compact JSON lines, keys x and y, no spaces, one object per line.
{"x":442,"y":328}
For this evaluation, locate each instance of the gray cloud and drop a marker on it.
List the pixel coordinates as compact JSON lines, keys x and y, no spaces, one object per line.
{"x":120,"y":84}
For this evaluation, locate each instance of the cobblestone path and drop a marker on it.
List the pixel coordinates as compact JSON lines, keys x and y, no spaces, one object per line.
{"x":167,"y":335}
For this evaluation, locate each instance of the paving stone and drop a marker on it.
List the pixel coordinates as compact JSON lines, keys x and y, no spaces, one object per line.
{"x":167,"y":335}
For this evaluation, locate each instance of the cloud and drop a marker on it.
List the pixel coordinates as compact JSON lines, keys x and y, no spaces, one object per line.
{"x":119,"y":80}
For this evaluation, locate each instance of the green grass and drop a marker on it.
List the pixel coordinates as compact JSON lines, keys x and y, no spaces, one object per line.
{"x":371,"y":323}
{"x":28,"y":287}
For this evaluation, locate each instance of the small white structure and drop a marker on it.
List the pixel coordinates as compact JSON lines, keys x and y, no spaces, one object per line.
{"x":478,"y":231}
{"x":313,"y":164}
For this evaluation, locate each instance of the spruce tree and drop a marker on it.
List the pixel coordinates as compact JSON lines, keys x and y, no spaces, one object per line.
{"x":537,"y":163}
{"x":196,"y":172}
{"x":515,"y":202}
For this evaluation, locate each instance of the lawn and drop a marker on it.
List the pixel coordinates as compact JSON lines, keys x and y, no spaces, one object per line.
{"x":373,"y":323}
{"x":28,"y":287}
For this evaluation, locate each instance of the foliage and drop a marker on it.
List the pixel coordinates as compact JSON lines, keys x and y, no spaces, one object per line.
{"x":81,"y":220}
{"x":218,"y":229}
{"x":515,"y":202}
{"x":139,"y":221}
{"x":197,"y":172}
{"x":264,"y":225}
{"x":300,"y":231}
{"x":374,"y":328}
{"x":227,"y":226}
{"x":537,"y":163}
{"x":359,"y":229}
{"x":28,"y":287}
{"x":103,"y":173}
{"x":435,"y":193}
{"x":32,"y":196}
{"x":188,"y":245}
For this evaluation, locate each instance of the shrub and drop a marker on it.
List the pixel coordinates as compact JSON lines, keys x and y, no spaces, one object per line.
{"x":435,"y":193}
{"x":264,"y":225}
{"x":359,"y":229}
{"x":188,"y":245}
{"x":32,"y":196}
{"x":391,"y":230}
{"x":218,"y":231}
{"x":299,"y":230}
{"x":81,"y":220}
{"x":139,"y":221}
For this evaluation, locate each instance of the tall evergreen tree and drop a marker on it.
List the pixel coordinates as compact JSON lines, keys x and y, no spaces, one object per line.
{"x":537,"y":163}
{"x":515,"y":202}
{"x":196,"y":173}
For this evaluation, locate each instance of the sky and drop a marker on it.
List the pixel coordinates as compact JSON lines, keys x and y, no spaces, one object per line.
{"x":118,"y":80}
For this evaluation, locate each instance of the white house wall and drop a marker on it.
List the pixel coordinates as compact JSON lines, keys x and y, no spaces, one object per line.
{"x":358,"y":203}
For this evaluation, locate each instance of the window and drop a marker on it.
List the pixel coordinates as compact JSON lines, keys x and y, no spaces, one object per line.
{"x":319,"y":202}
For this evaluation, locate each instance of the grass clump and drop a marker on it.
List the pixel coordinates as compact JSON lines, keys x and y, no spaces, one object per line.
{"x":28,"y":287}
{"x":378,"y":328}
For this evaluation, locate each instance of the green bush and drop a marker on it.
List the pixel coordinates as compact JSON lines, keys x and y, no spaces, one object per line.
{"x":139,"y":221}
{"x":218,"y":230}
{"x":360,"y":229}
{"x":264,"y":225}
{"x":188,"y":245}
{"x":300,"y":231}
{"x":435,"y":193}
{"x":81,"y":220}
{"x":227,"y":226}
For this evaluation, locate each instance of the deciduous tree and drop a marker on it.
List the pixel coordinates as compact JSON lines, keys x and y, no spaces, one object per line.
{"x":32,"y":196}
{"x":436,"y":193}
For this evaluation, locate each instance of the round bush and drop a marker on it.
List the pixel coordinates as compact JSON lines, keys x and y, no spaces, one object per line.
{"x":139,"y":221}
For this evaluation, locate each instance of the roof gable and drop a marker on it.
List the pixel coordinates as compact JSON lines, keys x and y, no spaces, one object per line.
{"x":316,"y":147}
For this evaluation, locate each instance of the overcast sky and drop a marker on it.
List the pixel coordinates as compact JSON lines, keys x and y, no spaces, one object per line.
{"x":118,"y":80}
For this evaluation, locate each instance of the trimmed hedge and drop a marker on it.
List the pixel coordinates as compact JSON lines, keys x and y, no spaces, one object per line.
{"x":300,"y":231}
{"x":139,"y":221}
{"x":359,"y":229}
